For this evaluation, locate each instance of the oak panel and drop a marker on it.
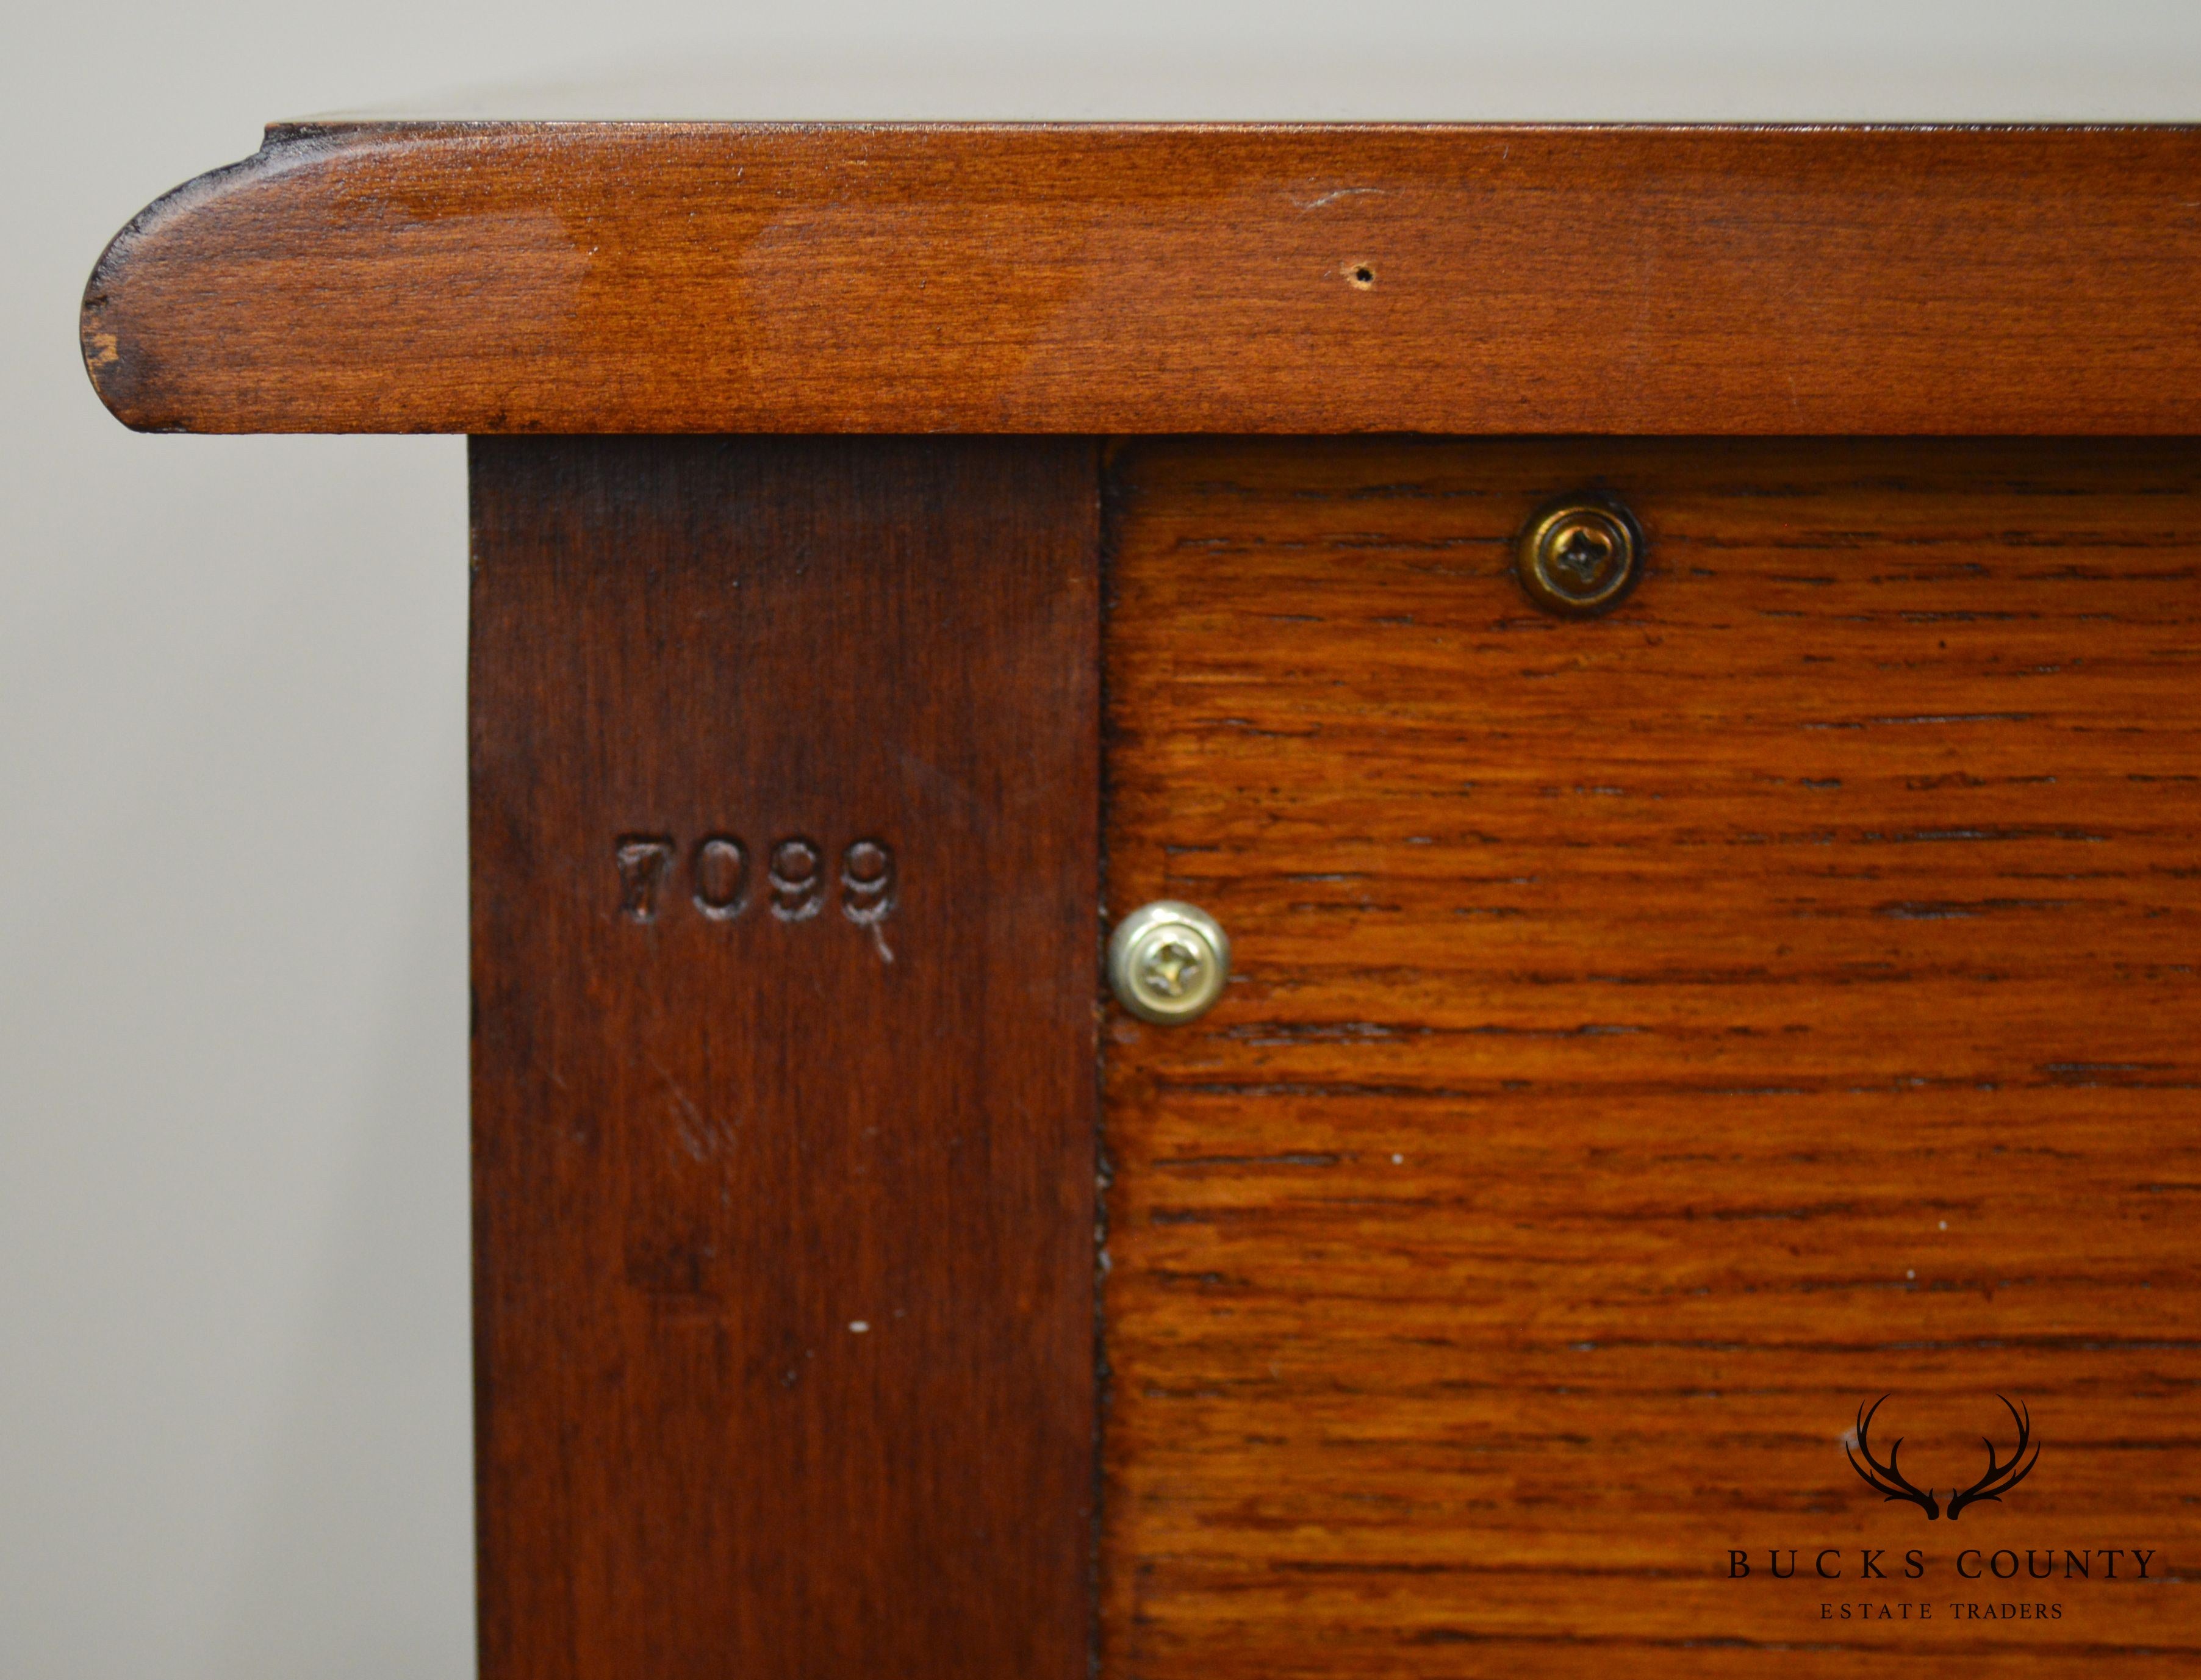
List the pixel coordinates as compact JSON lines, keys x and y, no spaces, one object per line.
{"x":685,"y":277}
{"x":1650,"y":1038}
{"x":784,"y":1206}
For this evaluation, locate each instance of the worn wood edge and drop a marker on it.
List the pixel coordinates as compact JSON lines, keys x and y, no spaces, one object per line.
{"x":181,"y":332}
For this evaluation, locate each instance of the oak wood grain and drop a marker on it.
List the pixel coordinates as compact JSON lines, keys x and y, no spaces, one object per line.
{"x":1650,"y":1038}
{"x":681,"y":278}
{"x":782,"y":1208}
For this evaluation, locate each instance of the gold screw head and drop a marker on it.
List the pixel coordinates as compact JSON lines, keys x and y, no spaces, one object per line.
{"x":1581,"y":556}
{"x":1168,"y":962}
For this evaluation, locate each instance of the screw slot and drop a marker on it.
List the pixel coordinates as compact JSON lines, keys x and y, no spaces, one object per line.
{"x":1581,"y":556}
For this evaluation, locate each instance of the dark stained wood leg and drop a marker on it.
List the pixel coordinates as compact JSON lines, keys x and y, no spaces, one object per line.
{"x":784,"y":825}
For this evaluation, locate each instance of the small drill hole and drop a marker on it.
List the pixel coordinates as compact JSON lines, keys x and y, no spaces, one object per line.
{"x":1364,"y":277}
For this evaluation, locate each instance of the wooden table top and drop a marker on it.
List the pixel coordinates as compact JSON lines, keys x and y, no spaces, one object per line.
{"x":564,"y":276}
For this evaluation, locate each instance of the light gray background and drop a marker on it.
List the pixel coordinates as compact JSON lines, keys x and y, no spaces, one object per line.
{"x":233,"y":1364}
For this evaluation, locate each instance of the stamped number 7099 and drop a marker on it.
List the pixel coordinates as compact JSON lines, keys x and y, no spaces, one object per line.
{"x":722,"y":885}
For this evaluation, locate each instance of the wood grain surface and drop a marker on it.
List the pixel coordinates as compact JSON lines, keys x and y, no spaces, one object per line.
{"x":1652,"y":1038}
{"x":680,"y":278}
{"x":784,"y":826}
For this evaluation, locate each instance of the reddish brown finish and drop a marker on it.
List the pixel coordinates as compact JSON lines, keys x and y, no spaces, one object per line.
{"x":520,"y":278}
{"x":1650,"y":1038}
{"x":706,"y":1146}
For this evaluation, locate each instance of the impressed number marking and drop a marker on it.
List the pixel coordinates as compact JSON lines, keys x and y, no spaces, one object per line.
{"x":722,"y":883}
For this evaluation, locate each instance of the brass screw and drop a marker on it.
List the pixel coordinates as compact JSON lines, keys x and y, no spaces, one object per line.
{"x":1581,"y":556}
{"x":1168,"y":962}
